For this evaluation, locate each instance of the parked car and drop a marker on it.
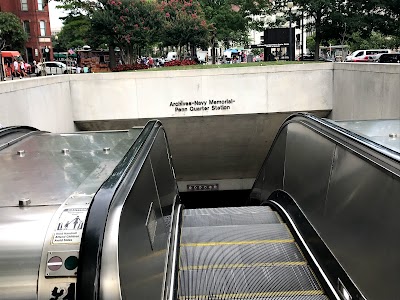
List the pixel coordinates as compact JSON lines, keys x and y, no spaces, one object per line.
{"x":365,"y":58}
{"x":53,"y":68}
{"x":356,"y":55}
{"x":388,"y":58}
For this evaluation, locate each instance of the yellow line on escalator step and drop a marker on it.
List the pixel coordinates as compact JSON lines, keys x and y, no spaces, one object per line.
{"x":231,"y":266}
{"x":255,"y":295}
{"x":236,"y":243}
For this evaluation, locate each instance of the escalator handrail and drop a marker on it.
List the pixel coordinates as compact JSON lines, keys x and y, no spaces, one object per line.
{"x":88,"y":278}
{"x":11,"y":129}
{"x":171,"y":274}
{"x":351,"y":135}
{"x":27,"y":130}
{"x":357,"y":142}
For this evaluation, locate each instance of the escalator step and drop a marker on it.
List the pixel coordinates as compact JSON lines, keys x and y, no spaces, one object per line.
{"x":235,"y":235}
{"x":268,"y":217}
{"x":227,"y":210}
{"x":248,"y":283}
{"x":230,"y":256}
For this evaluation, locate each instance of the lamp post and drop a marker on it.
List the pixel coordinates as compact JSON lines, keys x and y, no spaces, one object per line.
{"x":2,"y":42}
{"x":56,"y":47}
{"x":290,"y":6}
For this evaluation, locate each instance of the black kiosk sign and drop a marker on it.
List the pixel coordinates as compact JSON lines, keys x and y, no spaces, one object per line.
{"x":276,"y":43}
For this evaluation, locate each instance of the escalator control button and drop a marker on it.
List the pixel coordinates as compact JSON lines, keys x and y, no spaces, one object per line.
{"x":54,"y":263}
{"x":71,"y":263}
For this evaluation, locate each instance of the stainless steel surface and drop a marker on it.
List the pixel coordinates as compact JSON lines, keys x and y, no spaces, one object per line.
{"x":308,"y":162}
{"x":132,"y":266}
{"x":46,"y":176}
{"x":36,"y":186}
{"x":24,"y":202}
{"x":348,"y":188}
{"x":382,"y":132}
{"x":22,"y":233}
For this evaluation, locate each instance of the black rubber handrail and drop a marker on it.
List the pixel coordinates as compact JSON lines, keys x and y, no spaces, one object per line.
{"x":14,"y":129}
{"x":170,"y":288}
{"x":88,"y":281}
{"x":24,"y":130}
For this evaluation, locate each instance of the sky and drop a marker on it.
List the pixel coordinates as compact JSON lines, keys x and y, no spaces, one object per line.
{"x":55,"y":13}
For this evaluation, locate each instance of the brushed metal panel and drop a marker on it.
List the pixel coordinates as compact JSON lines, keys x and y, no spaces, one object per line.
{"x":378,"y":131}
{"x":307,"y":168}
{"x":162,"y":169}
{"x":361,"y":224}
{"x":46,"y":176}
{"x":141,"y":267}
{"x":22,"y":233}
{"x":271,"y":175}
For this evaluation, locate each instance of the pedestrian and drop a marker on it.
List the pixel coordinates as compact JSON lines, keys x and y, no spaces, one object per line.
{"x":22,"y":69}
{"x":78,"y":69}
{"x":15,"y":69}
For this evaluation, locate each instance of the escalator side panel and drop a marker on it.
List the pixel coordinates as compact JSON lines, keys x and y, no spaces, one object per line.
{"x":312,"y":154}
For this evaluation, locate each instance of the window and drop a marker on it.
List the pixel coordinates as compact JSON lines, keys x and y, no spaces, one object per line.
{"x":24,"y":5}
{"x":42,"y":28}
{"x":27,"y":28}
{"x":40,"y":5}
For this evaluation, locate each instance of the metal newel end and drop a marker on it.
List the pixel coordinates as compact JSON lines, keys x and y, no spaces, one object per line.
{"x":24,"y":202}
{"x":106,"y":150}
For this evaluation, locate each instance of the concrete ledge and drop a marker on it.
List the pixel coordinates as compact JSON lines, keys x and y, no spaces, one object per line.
{"x":366,"y":91}
{"x":163,"y":94}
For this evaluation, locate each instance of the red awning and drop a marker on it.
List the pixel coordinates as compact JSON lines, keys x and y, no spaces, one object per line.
{"x":10,"y":54}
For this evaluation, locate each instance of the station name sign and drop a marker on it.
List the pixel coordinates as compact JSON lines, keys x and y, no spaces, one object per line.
{"x":207,"y":105}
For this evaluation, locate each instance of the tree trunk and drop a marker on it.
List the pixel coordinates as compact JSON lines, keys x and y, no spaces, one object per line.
{"x":317,"y":36}
{"x":111,"y":52}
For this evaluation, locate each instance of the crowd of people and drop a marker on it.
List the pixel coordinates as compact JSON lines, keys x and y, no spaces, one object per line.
{"x":19,"y":69}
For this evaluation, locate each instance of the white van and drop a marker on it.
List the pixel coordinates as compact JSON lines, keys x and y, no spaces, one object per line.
{"x":359,"y":53}
{"x":171,"y":56}
{"x":202,"y":56}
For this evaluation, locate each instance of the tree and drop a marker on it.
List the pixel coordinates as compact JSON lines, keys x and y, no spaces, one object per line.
{"x":75,"y":32}
{"x":184,"y":24}
{"x":12,"y":32}
{"x":232,"y":19}
{"x":131,"y":25}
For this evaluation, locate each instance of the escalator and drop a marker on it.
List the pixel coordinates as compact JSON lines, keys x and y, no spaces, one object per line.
{"x":242,"y":253}
{"x":319,"y":223}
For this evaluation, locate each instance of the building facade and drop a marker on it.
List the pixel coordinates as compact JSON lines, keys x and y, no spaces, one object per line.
{"x":34,"y":16}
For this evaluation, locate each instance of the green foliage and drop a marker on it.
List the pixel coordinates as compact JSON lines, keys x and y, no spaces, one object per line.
{"x":12,"y":32}
{"x":232,"y":19}
{"x":374,"y":41}
{"x":310,"y":42}
{"x":184,"y":23}
{"x":74,"y":33}
{"x":131,"y":25}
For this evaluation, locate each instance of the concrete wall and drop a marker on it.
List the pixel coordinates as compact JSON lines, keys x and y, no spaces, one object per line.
{"x":131,"y":95}
{"x":43,"y":103}
{"x":366,"y":91}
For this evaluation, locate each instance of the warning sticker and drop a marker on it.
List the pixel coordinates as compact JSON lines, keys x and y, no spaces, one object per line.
{"x":70,"y":226}
{"x":62,"y":291}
